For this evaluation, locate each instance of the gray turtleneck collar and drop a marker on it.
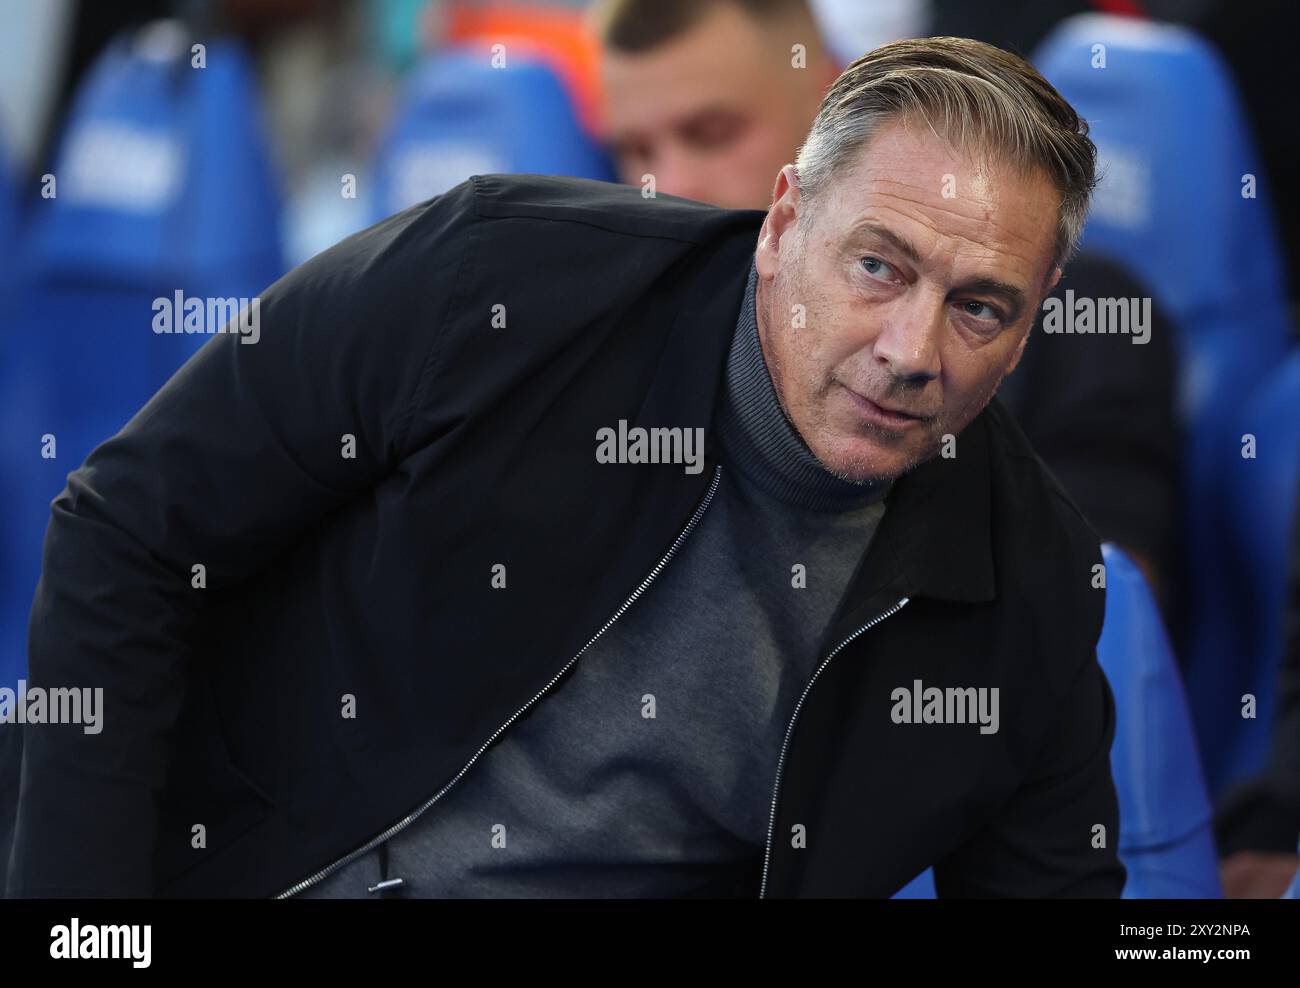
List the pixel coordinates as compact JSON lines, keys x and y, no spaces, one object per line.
{"x":758,"y":438}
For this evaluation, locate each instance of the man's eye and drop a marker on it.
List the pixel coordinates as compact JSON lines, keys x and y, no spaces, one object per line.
{"x":714,"y":131}
{"x":982,"y":311}
{"x":877,"y":268}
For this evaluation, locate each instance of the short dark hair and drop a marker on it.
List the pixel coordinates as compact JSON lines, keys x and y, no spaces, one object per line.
{"x":641,"y":25}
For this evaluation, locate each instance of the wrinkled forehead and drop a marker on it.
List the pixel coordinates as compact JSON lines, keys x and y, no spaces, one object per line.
{"x":939,"y":195}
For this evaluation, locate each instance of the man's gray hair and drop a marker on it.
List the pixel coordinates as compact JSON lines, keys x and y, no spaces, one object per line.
{"x":978,"y":98}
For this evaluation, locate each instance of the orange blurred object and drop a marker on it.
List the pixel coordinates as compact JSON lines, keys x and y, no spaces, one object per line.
{"x":557,"y":36}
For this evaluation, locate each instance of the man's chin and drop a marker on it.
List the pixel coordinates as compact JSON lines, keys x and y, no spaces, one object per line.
{"x":867,"y":462}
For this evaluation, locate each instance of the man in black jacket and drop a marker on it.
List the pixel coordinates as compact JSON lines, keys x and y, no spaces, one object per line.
{"x":553,"y":540}
{"x":708,"y":97}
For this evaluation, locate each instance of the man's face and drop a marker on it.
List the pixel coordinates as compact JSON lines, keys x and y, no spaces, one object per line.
{"x":713,"y":113}
{"x":919,"y":272}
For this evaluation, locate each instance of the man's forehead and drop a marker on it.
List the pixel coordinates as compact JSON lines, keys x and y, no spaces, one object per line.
{"x":904,"y":187}
{"x":910,"y":224}
{"x":694,"y":68}
{"x":900,"y":161}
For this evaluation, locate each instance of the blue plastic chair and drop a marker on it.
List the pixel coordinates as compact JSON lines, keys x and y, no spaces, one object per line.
{"x":9,"y":384}
{"x":164,"y":184}
{"x":1175,"y":147}
{"x":459,"y":116}
{"x":1165,"y":840}
{"x":1263,"y":494}
{"x":1166,"y":837}
{"x":8,"y":213}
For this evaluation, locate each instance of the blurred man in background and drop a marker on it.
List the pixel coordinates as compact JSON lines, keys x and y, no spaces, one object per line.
{"x":711,"y":97}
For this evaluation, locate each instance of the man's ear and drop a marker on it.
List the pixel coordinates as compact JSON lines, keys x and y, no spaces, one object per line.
{"x":780,"y":220}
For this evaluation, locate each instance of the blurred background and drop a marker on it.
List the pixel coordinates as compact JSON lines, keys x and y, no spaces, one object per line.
{"x":149,"y":147}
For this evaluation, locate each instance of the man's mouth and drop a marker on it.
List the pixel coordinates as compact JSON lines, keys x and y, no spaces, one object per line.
{"x":881,"y":414}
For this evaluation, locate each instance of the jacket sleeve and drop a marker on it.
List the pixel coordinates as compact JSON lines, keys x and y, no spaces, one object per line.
{"x":1043,"y":843}
{"x":243,"y":449}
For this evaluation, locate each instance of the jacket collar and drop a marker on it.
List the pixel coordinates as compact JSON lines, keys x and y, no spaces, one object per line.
{"x":937,"y":524}
{"x":934,"y":541}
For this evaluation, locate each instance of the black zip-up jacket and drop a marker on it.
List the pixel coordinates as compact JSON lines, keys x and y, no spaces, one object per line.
{"x":422,"y":405}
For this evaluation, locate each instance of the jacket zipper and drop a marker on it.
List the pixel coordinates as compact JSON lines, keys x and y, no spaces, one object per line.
{"x":789,"y":731}
{"x":402,"y":824}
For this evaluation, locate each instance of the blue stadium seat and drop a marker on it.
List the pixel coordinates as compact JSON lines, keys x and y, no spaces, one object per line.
{"x":164,"y":184}
{"x":1263,"y":493}
{"x":8,"y":214}
{"x":1165,"y":838}
{"x":10,"y":392}
{"x":920,"y":887}
{"x":459,"y":116}
{"x":1175,"y":150}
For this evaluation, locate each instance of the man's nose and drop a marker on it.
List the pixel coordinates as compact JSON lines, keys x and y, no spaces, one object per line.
{"x":908,"y":344}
